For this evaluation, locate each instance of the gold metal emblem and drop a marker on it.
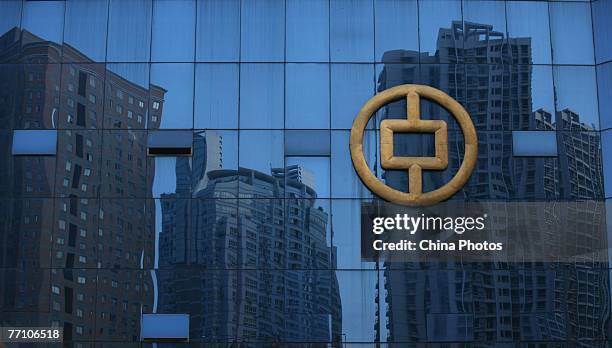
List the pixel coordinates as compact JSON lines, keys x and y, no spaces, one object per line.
{"x":414,"y":165}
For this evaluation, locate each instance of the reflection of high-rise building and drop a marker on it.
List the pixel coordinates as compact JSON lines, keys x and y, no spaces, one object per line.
{"x":263,"y":266}
{"x":97,"y":243}
{"x":296,"y":173}
{"x":491,"y":77}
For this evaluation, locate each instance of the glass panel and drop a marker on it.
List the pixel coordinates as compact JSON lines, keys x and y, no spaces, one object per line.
{"x":602,"y":29}
{"x":361,"y":306}
{"x":82,"y":91}
{"x":79,"y":158}
{"x":165,"y":326}
{"x":604,"y":88}
{"x":396,"y":29}
{"x":572,"y":44}
{"x":11,"y":15}
{"x":308,"y":31}
{"x":127,"y":96}
{"x":261,"y":150}
{"x":576,"y":97}
{"x":440,"y":28}
{"x":346,"y":220}
{"x":25,"y":294}
{"x":34,"y":142}
{"x":579,"y":162}
{"x":533,"y":143}
{"x":262,"y":96}
{"x":218,"y":31}
{"x":352,"y":31}
{"x":85,"y":30}
{"x":129,"y":31}
{"x":307,"y":143}
{"x":44,"y":19}
{"x":542,"y":100}
{"x":530,"y":20}
{"x":169,"y":143}
{"x":263,"y":31}
{"x":172,"y":99}
{"x":484,"y":26}
{"x":173,"y":176}
{"x":351,"y":87}
{"x":312,"y":171}
{"x":307,"y":95}
{"x":215,"y":156}
{"x":606,"y":149}
{"x":345,"y":182}
{"x":216,"y":100}
{"x":125,"y":171}
{"x":173,"y":31}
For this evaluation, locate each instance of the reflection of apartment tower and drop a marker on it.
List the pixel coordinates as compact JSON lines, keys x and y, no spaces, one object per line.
{"x":94,"y":245}
{"x":488,"y":302}
{"x":296,"y":173}
{"x":266,"y":270}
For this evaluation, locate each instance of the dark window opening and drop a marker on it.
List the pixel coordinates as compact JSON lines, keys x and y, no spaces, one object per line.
{"x":82,"y":84}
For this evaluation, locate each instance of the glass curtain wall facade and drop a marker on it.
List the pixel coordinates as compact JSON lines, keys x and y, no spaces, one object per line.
{"x":255,"y":235}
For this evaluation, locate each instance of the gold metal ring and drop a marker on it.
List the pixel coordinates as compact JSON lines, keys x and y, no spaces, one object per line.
{"x":414,"y":165}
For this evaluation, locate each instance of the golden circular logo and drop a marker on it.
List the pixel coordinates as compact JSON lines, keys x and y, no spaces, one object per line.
{"x":414,"y":165}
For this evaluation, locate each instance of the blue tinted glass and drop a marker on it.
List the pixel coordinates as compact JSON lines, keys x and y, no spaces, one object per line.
{"x":360,"y":305}
{"x":44,"y":19}
{"x":489,"y":12}
{"x":307,"y":143}
{"x":314,"y":173}
{"x":177,"y":103}
{"x":576,"y":93}
{"x":127,"y":151}
{"x":262,"y":96}
{"x":571,"y":33}
{"x":346,"y":220}
{"x":602,"y":29}
{"x":261,"y":150}
{"x":85,"y":29}
{"x":173,"y":31}
{"x":129,"y":31}
{"x":307,"y":94}
{"x":216,"y":100}
{"x":352,"y":31}
{"x":307,"y":30}
{"x":126,"y":98}
{"x":83,"y":87}
{"x":437,"y":15}
{"x":396,"y":27}
{"x":173,"y":175}
{"x":529,"y":19}
{"x":263,"y":31}
{"x":351,"y":86}
{"x":34,"y":142}
{"x":604,"y":83}
{"x":606,"y":145}
{"x":218,"y":30}
{"x":11,"y":15}
{"x":169,"y":326}
{"x":345,"y":182}
{"x":534,"y":143}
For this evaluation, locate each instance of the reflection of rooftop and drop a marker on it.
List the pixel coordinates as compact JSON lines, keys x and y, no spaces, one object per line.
{"x":252,"y":173}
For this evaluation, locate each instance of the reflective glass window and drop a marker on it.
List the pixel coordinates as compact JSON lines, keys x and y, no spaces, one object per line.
{"x":534,"y":143}
{"x":352,"y":31}
{"x":529,"y":19}
{"x":604,"y":88}
{"x":261,"y":150}
{"x":576,"y":97}
{"x":11,"y":15}
{"x":216,"y":96}
{"x":351,"y":86}
{"x":262,"y":31}
{"x":307,"y":96}
{"x":345,"y":182}
{"x":173,"y":31}
{"x":606,"y":145}
{"x":571,"y":33}
{"x":435,"y":16}
{"x":602,"y":29}
{"x":307,"y":142}
{"x":262,"y":96}
{"x":307,"y":31}
{"x":44,"y":19}
{"x":126,"y":96}
{"x":129,"y":31}
{"x":173,"y":103}
{"x":396,"y":28}
{"x":218,"y":30}
{"x":34,"y":142}
{"x":85,"y":29}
